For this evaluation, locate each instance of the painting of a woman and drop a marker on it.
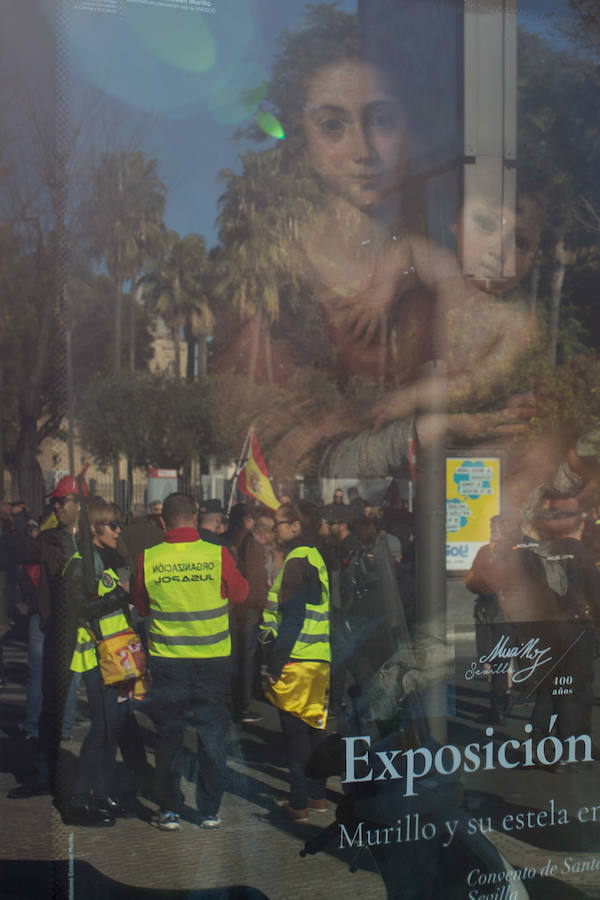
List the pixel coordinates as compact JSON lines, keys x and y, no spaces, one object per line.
{"x":366,"y":303}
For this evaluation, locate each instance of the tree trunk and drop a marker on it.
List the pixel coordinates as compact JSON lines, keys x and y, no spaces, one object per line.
{"x":117,"y":369}
{"x":535,"y":286}
{"x":269,"y":356}
{"x":116,"y":478}
{"x":70,"y":401}
{"x":558,"y":277}
{"x":255,"y":345}
{"x":129,"y":497}
{"x":29,"y":474}
{"x":191,"y":354}
{"x":118,"y":328}
{"x":132,"y":330}
{"x":562,"y":258}
{"x":187,"y":477}
{"x":177,"y":351}
{"x":202,"y":357}
{"x":191,"y":360}
{"x":136,"y":294}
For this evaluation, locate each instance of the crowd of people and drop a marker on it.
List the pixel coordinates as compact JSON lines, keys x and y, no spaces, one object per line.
{"x":212,"y":609}
{"x":311,"y":607}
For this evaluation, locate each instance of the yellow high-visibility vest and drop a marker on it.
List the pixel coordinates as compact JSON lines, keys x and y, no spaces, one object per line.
{"x":84,"y":656}
{"x":188,"y":616}
{"x":313,"y":640}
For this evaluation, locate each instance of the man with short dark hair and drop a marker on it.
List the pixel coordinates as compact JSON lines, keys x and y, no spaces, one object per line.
{"x":185,"y":585}
{"x":340,"y":520}
{"x":210,"y":522}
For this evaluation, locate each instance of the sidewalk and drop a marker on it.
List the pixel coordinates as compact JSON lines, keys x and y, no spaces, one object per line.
{"x":256,"y":847}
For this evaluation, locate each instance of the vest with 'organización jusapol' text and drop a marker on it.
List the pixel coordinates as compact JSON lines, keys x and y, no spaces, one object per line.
{"x":188,"y":616}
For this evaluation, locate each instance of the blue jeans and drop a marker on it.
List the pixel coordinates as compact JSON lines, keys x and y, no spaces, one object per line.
{"x":35,"y":652}
{"x":95,"y":769}
{"x":194,"y":693}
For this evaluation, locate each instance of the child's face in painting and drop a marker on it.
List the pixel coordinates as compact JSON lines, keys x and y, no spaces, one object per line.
{"x":355,"y":133}
{"x":497,"y":248}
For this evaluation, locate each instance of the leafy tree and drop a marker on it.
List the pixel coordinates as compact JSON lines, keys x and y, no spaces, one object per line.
{"x":581,"y":25}
{"x":559,"y":153}
{"x":151,"y":419}
{"x":32,"y":400}
{"x":92,"y":328}
{"x":569,"y":398}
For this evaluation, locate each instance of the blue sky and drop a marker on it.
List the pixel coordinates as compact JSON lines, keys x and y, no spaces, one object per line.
{"x":175,"y":75}
{"x":179,"y":73}
{"x":182,"y":71}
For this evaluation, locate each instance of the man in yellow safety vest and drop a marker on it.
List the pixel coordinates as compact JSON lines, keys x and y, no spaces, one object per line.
{"x":295,"y":632}
{"x":184,"y":586}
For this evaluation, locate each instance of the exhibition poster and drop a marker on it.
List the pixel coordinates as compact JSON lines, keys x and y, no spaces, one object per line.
{"x":300,"y":403}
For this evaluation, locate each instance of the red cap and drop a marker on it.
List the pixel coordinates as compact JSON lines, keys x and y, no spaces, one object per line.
{"x":68,"y":485}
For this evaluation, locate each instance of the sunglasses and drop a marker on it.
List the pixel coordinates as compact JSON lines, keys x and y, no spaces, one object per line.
{"x":60,"y":501}
{"x":112,"y":525}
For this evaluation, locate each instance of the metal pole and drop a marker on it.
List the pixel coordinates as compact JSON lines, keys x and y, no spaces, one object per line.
{"x":238,"y":467}
{"x":430,"y":526}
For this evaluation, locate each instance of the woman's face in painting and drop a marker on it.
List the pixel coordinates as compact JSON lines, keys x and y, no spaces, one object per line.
{"x":355,"y":133}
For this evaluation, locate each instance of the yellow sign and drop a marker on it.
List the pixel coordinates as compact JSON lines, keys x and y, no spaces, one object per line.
{"x":472,"y":498}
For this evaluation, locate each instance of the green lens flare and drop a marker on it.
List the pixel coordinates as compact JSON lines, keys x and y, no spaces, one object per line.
{"x":270,"y":124}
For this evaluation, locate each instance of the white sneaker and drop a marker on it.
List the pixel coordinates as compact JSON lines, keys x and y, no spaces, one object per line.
{"x":211,"y":822}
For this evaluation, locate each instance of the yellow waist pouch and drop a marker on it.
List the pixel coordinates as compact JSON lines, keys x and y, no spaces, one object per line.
{"x":303,"y":691}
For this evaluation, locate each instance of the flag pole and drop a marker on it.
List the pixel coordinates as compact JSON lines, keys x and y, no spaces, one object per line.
{"x":239,"y":466}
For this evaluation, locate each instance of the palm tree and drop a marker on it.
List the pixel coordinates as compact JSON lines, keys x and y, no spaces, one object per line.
{"x":124,"y":222}
{"x":178,"y":290}
{"x":126,"y":205}
{"x":259,"y":221}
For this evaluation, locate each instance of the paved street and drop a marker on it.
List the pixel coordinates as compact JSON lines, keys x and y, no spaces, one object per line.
{"x":256,"y":848}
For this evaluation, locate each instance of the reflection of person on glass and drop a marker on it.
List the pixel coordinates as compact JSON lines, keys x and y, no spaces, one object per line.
{"x":295,"y":633}
{"x":385,"y":297}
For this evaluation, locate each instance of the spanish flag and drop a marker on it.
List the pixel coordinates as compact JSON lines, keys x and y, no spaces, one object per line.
{"x":254,"y":477}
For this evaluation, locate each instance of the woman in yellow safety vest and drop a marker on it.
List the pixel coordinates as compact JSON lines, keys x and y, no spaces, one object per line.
{"x":295,"y":632}
{"x":100,"y":615}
